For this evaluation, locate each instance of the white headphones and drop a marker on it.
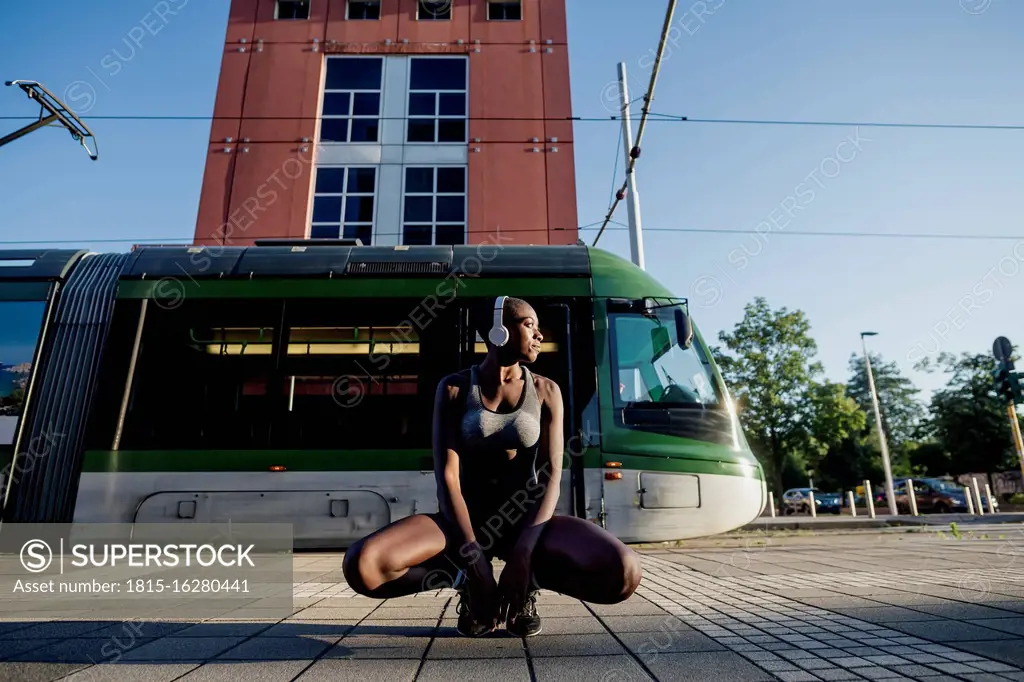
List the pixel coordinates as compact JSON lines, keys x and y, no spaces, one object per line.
{"x":498,"y":334}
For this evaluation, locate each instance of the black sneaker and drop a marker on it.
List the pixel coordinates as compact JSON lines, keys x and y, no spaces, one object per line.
{"x":525,"y":622}
{"x":468,"y":625}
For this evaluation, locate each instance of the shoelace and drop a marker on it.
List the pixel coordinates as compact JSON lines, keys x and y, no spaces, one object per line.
{"x":529,"y":607}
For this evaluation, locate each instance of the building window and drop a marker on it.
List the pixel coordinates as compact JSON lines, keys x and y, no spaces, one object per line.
{"x":505,"y":10}
{"x":364,"y":9}
{"x":434,"y":10}
{"x":438,"y":99}
{"x":291,"y":9}
{"x":343,"y":203}
{"x":352,"y":100}
{"x":434,"y":210}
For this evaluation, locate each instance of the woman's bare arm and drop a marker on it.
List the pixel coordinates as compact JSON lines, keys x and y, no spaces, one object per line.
{"x":446,"y":463}
{"x":551,"y":452}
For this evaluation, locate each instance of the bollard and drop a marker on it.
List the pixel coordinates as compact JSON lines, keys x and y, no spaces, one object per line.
{"x":977,"y":501}
{"x":869,"y":497}
{"x":814,"y":509}
{"x":853,"y":502}
{"x":912,"y":497}
{"x":970,"y":500}
{"x":771,"y":502}
{"x":991,"y":502}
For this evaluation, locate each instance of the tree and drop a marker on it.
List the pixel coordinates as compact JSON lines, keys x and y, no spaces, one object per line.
{"x":903,"y":416}
{"x":968,"y":419}
{"x":901,"y":411}
{"x":791,"y":419}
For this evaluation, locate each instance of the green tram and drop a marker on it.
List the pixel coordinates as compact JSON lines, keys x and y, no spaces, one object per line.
{"x":294,"y":382}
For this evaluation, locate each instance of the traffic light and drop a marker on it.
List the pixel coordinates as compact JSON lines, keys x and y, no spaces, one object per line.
{"x":1015,"y":387}
{"x":1008,"y":383}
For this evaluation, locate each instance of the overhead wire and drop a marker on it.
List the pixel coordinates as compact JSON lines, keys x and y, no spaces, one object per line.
{"x":648,"y":98}
{"x":709,"y":230}
{"x":660,"y":118}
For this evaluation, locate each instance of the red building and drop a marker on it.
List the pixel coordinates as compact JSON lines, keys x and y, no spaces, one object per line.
{"x":394,"y":121}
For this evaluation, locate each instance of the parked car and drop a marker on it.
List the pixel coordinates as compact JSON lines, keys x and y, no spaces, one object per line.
{"x":934,"y":495}
{"x":798,"y":501}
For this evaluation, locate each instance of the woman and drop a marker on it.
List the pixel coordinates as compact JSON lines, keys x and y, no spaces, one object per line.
{"x":498,"y":465}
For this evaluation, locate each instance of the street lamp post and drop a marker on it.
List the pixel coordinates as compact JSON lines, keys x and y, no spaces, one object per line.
{"x":890,"y":493}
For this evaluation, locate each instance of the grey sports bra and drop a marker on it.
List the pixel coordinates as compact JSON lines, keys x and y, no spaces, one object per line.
{"x":516,"y":430}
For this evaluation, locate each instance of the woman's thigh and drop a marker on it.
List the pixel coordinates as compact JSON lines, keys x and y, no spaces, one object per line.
{"x":400,"y":556}
{"x":579,"y":559}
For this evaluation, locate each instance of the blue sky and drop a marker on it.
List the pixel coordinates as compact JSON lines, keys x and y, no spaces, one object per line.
{"x":913,"y":61}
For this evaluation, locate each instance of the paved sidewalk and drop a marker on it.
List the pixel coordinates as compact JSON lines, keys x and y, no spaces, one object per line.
{"x":875,"y":606}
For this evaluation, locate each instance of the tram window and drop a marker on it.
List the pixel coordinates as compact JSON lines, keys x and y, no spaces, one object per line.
{"x":20,"y":323}
{"x":362,"y":374}
{"x":201,"y":377}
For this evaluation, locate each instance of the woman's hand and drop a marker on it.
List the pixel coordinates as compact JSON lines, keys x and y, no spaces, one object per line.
{"x":515,"y":581}
{"x":483,"y":589}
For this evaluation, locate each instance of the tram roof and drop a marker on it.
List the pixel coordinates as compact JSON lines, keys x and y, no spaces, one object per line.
{"x":315,"y":260}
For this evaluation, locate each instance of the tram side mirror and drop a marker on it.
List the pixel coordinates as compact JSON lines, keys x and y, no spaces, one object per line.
{"x":684,"y":329}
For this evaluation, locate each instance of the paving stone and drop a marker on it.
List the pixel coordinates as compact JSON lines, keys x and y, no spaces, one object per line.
{"x":123,"y":672}
{"x":10,"y":648}
{"x":306,"y":647}
{"x":390,"y":646}
{"x":814,"y":663}
{"x":351,"y":615}
{"x":877,"y":673}
{"x":626,"y":608}
{"x":250,"y":671}
{"x":214,"y":630}
{"x":888,"y":614}
{"x":777,"y":666}
{"x":333,"y":670}
{"x":484,"y":647}
{"x":951,"y":631}
{"x":574,"y":645}
{"x":56,"y":630}
{"x":42,"y":672}
{"x":609,"y":668}
{"x":182,"y":649}
{"x":498,"y":670}
{"x":1012,"y":625}
{"x":641,"y":643}
{"x":953,"y":668}
{"x":797,"y":676}
{"x":573,"y":626}
{"x":705,"y":667}
{"x":851,"y":662}
{"x":648,"y":623}
{"x":913,"y":670}
{"x":837,"y":674}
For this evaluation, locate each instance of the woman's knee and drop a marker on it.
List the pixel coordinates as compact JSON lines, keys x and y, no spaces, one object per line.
{"x":632,"y":573}
{"x":361,"y":566}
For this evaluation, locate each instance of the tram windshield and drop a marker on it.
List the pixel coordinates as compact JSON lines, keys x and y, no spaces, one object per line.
{"x":20,"y":322}
{"x":652,"y":369}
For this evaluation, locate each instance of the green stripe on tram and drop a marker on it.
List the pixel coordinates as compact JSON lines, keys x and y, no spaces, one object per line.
{"x":353,"y":288}
{"x":209,"y":461}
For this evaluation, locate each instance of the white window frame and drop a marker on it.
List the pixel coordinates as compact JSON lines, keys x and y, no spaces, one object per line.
{"x":434,"y":194}
{"x":437,"y":117}
{"x":348,"y":10}
{"x":391,"y":154}
{"x":350,"y":117}
{"x":277,"y":11}
{"x":491,"y":3}
{"x":345,"y":194}
{"x":444,"y":3}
